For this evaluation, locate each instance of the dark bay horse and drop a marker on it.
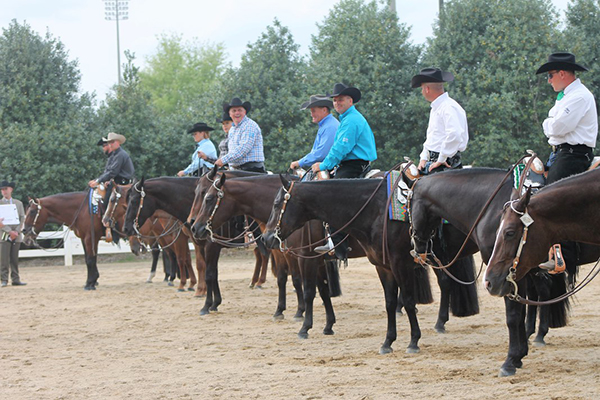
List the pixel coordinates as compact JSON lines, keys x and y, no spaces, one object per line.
{"x":458,"y":196}
{"x":161,"y":228}
{"x":175,"y":196}
{"x":71,"y":209}
{"x":338,"y":202}
{"x":567,"y":210}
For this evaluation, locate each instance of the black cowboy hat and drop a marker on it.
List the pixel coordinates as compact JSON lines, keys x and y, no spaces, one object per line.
{"x":225,"y":117}
{"x":427,"y":75}
{"x":6,"y":183}
{"x":561,"y":62}
{"x":317,"y":100}
{"x":102,"y":141}
{"x":236,"y":102}
{"x":200,"y":127}
{"x":341,"y":89}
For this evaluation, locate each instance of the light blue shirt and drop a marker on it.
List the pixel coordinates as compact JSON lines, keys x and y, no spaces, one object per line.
{"x":323,"y":142}
{"x":354,"y":140}
{"x":208,"y":148}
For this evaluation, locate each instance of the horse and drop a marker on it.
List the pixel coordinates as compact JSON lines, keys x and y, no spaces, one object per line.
{"x":558,"y":212}
{"x":363,"y":217}
{"x":253,"y":196}
{"x":175,"y":196}
{"x":74,"y":210}
{"x":161,"y":228}
{"x":458,"y":196}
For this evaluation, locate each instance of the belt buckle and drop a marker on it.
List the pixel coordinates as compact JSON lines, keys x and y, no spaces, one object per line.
{"x":554,"y":148}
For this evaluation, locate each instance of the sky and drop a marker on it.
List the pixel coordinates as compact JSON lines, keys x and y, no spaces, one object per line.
{"x":92,"y":41}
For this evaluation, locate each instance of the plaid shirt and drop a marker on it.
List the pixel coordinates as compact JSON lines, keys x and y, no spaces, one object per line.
{"x":245,"y":144}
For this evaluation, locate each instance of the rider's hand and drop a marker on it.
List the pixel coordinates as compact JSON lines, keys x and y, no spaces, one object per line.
{"x":294,"y":165}
{"x":201,"y":155}
{"x":219,"y":163}
{"x":316,"y":167}
{"x":180,"y":173}
{"x":93,"y":183}
{"x":422,"y":164}
{"x":438,"y":164}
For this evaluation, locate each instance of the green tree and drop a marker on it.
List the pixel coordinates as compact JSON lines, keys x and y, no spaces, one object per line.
{"x":271,"y":77}
{"x":181,"y":72}
{"x":362,"y":44}
{"x":581,"y":33}
{"x":494,"y":47}
{"x":47,"y":129}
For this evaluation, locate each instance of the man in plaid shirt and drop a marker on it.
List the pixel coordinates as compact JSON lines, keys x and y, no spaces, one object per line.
{"x":245,"y":140}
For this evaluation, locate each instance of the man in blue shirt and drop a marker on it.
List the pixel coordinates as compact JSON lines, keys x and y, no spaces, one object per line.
{"x":203,"y":144}
{"x":353,"y":149}
{"x":352,"y":152}
{"x":245,"y":140}
{"x":320,"y":111}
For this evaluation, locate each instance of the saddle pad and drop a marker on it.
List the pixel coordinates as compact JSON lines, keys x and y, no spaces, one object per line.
{"x":398,"y":205}
{"x":534,"y":178}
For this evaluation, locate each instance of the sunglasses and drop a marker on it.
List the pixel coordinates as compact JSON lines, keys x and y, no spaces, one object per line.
{"x":551,"y":74}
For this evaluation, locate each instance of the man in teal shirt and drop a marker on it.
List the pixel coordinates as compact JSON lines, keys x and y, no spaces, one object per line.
{"x":352,"y":152}
{"x":353,"y":149}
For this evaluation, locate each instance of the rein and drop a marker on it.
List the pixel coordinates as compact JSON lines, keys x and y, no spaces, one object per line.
{"x":421,"y":258}
{"x":136,"y":226}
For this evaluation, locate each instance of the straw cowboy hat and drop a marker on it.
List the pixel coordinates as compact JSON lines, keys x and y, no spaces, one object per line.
{"x":561,"y":62}
{"x":236,"y":102}
{"x":115,"y":136}
{"x":340,"y":89}
{"x":200,"y":127}
{"x":317,"y":100}
{"x":434,"y":75}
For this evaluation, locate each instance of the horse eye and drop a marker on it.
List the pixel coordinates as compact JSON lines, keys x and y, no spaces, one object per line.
{"x":509,"y":234}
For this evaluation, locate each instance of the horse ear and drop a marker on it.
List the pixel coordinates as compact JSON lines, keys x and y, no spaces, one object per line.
{"x":212,"y":173}
{"x":142,"y":181}
{"x":524,"y":200}
{"x":221,"y":181}
{"x":285,"y":182}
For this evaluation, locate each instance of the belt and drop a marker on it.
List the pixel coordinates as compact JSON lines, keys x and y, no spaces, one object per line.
{"x":571,"y":147}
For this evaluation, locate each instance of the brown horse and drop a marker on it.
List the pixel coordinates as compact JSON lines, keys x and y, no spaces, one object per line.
{"x":73,"y":210}
{"x":564,"y":211}
{"x":161,"y":227}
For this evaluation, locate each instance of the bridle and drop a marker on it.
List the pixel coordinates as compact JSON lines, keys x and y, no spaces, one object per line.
{"x":38,"y":204}
{"x":220,"y":195}
{"x":136,"y":226}
{"x":277,"y":231}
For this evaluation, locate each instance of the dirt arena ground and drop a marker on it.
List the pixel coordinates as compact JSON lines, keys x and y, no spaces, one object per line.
{"x":130,"y":339}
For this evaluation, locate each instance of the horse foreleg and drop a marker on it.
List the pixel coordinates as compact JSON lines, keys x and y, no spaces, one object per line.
{"x":91,"y":251}
{"x":155,"y":256}
{"x":444,"y":310}
{"x":294,"y":270}
{"x":264,"y":260}
{"x":281,"y":269}
{"x":325,"y":294}
{"x":309,"y":278}
{"x":201,"y":269}
{"x":257,"y":266}
{"x":212,"y":253}
{"x":404,"y":274}
{"x":531,"y":315}
{"x":517,"y":340}
{"x":390,"y":291}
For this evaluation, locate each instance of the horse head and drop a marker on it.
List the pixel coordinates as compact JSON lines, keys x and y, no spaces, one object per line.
{"x":137,"y":212}
{"x":285,"y":215}
{"x":423,"y":223}
{"x":204,"y":183}
{"x":34,"y":221}
{"x":207,"y":216}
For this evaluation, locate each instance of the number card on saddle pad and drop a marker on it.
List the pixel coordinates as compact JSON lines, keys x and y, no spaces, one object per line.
{"x":534,"y":177}
{"x":10,"y":214}
{"x":398,"y":205}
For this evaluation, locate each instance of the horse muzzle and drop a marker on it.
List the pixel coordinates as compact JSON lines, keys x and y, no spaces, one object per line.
{"x":268,"y":238}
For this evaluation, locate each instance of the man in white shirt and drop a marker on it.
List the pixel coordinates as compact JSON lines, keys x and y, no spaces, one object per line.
{"x":447,"y":133}
{"x":571,"y":128}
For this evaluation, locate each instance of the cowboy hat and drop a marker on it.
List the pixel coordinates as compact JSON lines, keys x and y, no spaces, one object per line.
{"x":561,"y":62}
{"x":102,"y":141}
{"x":116,"y":136}
{"x":236,"y":102}
{"x":224,"y":118}
{"x":427,"y":75}
{"x":6,"y":183}
{"x":340,"y":89}
{"x":200,"y":127}
{"x":317,"y":100}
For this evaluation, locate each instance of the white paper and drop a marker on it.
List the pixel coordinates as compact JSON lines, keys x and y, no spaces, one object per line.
{"x":10,"y":214}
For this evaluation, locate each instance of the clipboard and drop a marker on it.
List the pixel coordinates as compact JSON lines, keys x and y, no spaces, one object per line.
{"x":10,"y":214}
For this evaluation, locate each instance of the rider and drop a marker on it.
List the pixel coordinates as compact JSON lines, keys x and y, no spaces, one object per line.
{"x":104,"y":143}
{"x":320,"y":110}
{"x":447,"y":132}
{"x":245,"y":140}
{"x":571,"y":128}
{"x":226,"y":124}
{"x":352,"y":152}
{"x":203,"y":145}
{"x":119,"y":166}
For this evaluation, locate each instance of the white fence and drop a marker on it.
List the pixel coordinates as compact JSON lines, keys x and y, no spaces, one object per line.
{"x":72,"y":247}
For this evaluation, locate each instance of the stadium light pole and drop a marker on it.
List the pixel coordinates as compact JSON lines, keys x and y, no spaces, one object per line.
{"x":115,"y":10}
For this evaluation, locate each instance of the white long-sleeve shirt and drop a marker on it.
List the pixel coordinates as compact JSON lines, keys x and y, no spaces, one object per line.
{"x":447,"y":132}
{"x":573,"y":119}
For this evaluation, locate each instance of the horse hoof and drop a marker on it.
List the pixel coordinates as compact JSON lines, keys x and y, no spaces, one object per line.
{"x":328,"y":331}
{"x":298,"y":318}
{"x":506,"y":372}
{"x":251,"y":286}
{"x":303,"y":335}
{"x":440,"y":330}
{"x":199,"y":295}
{"x":181,"y":290}
{"x":191,"y":289}
{"x":278,"y":317}
{"x":539,"y":343}
{"x":170,"y":284}
{"x":213,"y":309}
{"x":412,"y":350}
{"x":204,"y":312}
{"x":385,"y":350}
{"x":149,"y":281}
{"x":258,"y":287}
{"x":89,"y":288}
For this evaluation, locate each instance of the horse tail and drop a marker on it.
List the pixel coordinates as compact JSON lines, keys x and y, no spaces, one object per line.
{"x":463,"y":298}
{"x":559,"y":312}
{"x":423,"y":293}
{"x":333,"y":278}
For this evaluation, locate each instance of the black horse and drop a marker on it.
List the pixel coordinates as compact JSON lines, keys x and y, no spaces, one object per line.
{"x":458,"y":196}
{"x":339,"y":202}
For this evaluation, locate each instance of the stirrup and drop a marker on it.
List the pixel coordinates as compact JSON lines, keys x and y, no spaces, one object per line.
{"x":556,"y":262}
{"x":326,"y":248}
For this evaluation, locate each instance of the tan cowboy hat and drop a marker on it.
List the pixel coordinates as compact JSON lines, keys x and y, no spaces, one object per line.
{"x":115,"y":136}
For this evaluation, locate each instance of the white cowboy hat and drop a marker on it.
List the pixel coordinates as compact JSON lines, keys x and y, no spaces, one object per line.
{"x":115,"y":136}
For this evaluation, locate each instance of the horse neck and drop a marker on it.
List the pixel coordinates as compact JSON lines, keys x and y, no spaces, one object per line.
{"x":173,"y":195}
{"x":65,"y":207}
{"x":252,"y":197}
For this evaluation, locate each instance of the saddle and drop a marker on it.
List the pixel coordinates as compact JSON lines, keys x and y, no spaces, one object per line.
{"x":534,"y":178}
{"x":595,"y":163}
